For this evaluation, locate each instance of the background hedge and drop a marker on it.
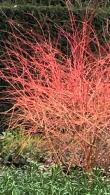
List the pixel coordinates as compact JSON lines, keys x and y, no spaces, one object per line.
{"x":57,"y":2}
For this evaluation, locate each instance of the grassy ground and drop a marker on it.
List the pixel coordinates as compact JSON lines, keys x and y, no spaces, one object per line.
{"x":35,"y":180}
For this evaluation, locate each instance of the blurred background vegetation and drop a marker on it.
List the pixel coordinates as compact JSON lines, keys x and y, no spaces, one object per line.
{"x":102,"y":3}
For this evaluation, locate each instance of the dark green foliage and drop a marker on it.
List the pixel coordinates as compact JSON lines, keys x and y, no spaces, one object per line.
{"x":50,"y":19}
{"x":51,"y":16}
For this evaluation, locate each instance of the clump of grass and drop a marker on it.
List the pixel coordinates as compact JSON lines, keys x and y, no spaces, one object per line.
{"x":17,"y":146}
{"x":64,"y":97}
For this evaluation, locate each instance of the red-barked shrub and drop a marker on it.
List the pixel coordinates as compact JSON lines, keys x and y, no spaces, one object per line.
{"x":64,"y":97}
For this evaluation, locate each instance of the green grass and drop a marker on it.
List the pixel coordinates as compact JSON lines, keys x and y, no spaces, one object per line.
{"x":53,"y":181}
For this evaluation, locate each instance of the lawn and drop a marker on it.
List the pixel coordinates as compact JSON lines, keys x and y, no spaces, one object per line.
{"x":35,"y":179}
